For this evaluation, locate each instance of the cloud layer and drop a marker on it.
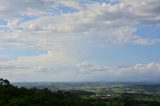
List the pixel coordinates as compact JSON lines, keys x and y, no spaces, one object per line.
{"x":65,"y":28}
{"x":137,"y":72}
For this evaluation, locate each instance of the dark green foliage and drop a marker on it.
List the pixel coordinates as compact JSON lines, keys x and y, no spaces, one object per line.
{"x":4,"y":82}
{"x":14,"y":96}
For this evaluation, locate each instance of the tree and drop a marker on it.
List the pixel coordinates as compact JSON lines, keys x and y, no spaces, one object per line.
{"x":6,"y":82}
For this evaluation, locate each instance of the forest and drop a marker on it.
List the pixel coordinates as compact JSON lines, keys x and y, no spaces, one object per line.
{"x":11,"y":95}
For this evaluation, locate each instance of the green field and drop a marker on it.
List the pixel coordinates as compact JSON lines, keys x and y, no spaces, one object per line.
{"x":132,"y":91}
{"x":79,"y":94}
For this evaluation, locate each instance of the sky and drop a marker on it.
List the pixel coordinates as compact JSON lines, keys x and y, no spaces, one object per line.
{"x":80,"y":40}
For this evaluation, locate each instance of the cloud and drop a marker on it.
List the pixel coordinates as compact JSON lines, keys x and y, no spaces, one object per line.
{"x":111,"y":22}
{"x":144,"y":41}
{"x":48,"y":26}
{"x":88,"y":67}
{"x":137,"y":72}
{"x":36,"y":68}
{"x":98,"y":18}
{"x":49,"y":58}
{"x":148,"y":67}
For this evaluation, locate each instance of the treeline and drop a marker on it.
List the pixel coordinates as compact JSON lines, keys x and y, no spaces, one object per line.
{"x":14,"y":96}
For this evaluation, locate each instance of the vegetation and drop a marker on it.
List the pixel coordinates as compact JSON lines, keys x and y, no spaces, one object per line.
{"x":20,"y":96}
